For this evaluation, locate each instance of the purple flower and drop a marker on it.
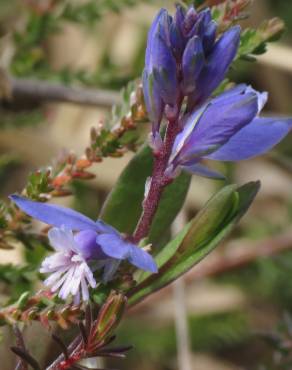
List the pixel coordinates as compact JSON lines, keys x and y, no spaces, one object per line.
{"x":68,"y":268}
{"x":81,"y":247}
{"x":227,"y":129}
{"x":184,"y":59}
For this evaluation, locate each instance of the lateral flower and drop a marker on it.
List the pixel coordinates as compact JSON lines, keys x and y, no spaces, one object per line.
{"x":184,"y":58}
{"x":227,"y":129}
{"x":81,"y":247}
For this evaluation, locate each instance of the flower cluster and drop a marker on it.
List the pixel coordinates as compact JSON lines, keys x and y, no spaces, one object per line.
{"x":82,"y":246}
{"x":186,"y":60}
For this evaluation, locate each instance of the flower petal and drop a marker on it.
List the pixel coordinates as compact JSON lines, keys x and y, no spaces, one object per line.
{"x":218,"y":62}
{"x":254,"y":139}
{"x":176,"y":40}
{"x":217,"y":123}
{"x":84,"y":290}
{"x":201,"y":22}
{"x":55,"y":215}
{"x":55,"y":276}
{"x":192,"y":63}
{"x":86,"y":245}
{"x":141,"y":259}
{"x":76,"y":278}
{"x":89,"y":276}
{"x":151,"y":34}
{"x":55,"y":262}
{"x":153,"y":101}
{"x":190,"y":123}
{"x":59,"y":283}
{"x":160,"y":62}
{"x":61,"y":239}
{"x":209,"y":37}
{"x":113,"y":246}
{"x":199,"y":169}
{"x":67,"y":285}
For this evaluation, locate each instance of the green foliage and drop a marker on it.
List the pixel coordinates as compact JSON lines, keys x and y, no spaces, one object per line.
{"x":18,"y":279}
{"x":210,"y":332}
{"x":254,"y":41}
{"x":123,"y":206}
{"x":10,"y":118}
{"x":283,"y":9}
{"x":86,"y":200}
{"x":265,"y":279}
{"x":119,"y":111}
{"x":30,"y":57}
{"x":91,"y":11}
{"x":196,"y":3}
{"x":8,"y":164}
{"x":38,"y":183}
{"x":213,"y":223}
{"x":225,"y":85}
{"x":124,"y":129}
{"x":3,"y":215}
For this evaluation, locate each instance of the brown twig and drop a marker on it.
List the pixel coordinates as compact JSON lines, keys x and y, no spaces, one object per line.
{"x":43,"y":91}
{"x":21,"y":364}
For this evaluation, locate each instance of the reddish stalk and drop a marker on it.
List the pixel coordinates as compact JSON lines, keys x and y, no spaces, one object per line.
{"x":158,"y":182}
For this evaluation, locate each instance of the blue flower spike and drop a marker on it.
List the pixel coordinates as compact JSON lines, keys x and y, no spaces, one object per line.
{"x":81,"y":245}
{"x":182,"y":60}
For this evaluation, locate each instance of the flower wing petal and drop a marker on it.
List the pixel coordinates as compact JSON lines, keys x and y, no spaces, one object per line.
{"x":217,"y":124}
{"x":141,"y":259}
{"x":55,"y":215}
{"x":113,"y":246}
{"x":199,"y":169}
{"x":254,"y":139}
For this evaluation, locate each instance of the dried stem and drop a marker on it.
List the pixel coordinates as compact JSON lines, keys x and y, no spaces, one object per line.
{"x":21,"y":364}
{"x":42,"y":91}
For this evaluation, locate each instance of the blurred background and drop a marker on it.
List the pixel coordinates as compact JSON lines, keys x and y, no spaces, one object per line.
{"x":238,"y":302}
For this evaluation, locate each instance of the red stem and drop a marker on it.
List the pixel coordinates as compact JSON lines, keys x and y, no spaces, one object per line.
{"x":158,"y":182}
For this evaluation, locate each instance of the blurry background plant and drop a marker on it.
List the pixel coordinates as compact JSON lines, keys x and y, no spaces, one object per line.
{"x":98,"y":46}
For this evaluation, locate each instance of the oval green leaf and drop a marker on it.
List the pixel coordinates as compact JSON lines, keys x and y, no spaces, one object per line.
{"x":198,"y":238}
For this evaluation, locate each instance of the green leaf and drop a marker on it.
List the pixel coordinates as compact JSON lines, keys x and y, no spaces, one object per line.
{"x":198,"y":238}
{"x":124,"y":204}
{"x":254,"y":41}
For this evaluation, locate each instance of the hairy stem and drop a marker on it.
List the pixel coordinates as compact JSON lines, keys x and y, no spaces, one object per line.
{"x":158,"y":182}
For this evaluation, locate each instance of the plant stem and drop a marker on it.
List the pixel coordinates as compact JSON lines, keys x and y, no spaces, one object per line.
{"x":158,"y":182}
{"x":72,"y":348}
{"x":41,"y":91}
